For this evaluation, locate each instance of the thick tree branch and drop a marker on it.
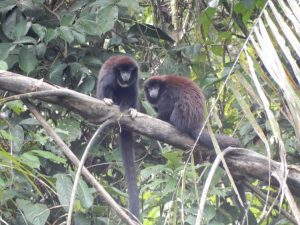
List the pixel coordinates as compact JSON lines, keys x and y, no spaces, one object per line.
{"x":240,"y":161}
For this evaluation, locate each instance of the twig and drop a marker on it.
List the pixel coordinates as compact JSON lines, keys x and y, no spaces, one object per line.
{"x":271,"y":200}
{"x":81,"y":164}
{"x":37,"y":94}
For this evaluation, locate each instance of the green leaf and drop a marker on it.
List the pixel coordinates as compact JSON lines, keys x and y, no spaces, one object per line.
{"x":25,"y":40}
{"x":18,"y":133}
{"x":56,"y":73}
{"x":132,"y":6}
{"x":75,"y":70}
{"x":217,"y":50}
{"x":67,"y":19}
{"x":7,"y":5}
{"x":5,"y":135}
{"x":80,"y":37}
{"x":36,"y":214}
{"x":8,"y":24}
{"x":29,"y":121}
{"x":12,"y":60}
{"x":21,"y":29}
{"x":27,"y":59}
{"x":39,"y":30}
{"x":71,"y":128}
{"x":66,"y":33}
{"x":64,"y":186}
{"x":92,"y":61}
{"x":103,"y":3}
{"x":87,"y":25}
{"x":88,"y":84}
{"x":248,"y":4}
{"x":174,"y":158}
{"x":153,"y":170}
{"x":16,"y":106}
{"x":30,"y":160}
{"x":206,"y":18}
{"x":41,"y":50}
{"x":50,"y":35}
{"x":107,"y":17}
{"x":5,"y":49}
{"x":84,"y":194}
{"x":49,"y":155}
{"x":81,"y":218}
{"x":3,"y":65}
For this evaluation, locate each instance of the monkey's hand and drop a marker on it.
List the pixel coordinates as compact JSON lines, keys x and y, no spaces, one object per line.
{"x":132,"y":113}
{"x":108,"y":101}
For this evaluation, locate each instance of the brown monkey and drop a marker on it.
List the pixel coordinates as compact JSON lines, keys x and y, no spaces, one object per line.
{"x":181,"y":102}
{"x":117,"y":82}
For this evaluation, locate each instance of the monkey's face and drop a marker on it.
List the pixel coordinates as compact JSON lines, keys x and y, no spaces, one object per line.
{"x":126,"y":75}
{"x":153,"y":89}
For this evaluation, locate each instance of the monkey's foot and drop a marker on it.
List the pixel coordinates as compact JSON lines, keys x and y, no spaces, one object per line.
{"x":132,"y":113}
{"x":108,"y":101}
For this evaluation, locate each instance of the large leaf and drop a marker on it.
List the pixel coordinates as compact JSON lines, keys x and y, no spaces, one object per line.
{"x":69,"y":129}
{"x":5,"y":49}
{"x":27,"y":59}
{"x":84,"y":194}
{"x":66,"y":33}
{"x":106,"y":18}
{"x":3,"y":65}
{"x":50,"y":35}
{"x":88,"y":25}
{"x":56,"y":73}
{"x":6,"y":5}
{"x":49,"y":155}
{"x":39,"y":30}
{"x":87,"y":85}
{"x":30,"y":160}
{"x":18,"y":133}
{"x":36,"y":214}
{"x":64,"y":186}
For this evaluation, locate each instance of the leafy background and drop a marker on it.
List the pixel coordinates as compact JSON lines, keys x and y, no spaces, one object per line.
{"x":66,"y":42}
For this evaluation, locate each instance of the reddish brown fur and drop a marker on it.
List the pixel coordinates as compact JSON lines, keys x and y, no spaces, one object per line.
{"x":181,"y":102}
{"x":115,"y":60}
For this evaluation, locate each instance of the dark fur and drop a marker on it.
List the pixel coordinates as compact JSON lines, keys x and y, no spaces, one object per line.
{"x":126,"y":98}
{"x":181,"y":102}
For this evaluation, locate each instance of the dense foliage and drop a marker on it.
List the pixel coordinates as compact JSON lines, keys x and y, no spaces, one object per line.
{"x":65,"y":43}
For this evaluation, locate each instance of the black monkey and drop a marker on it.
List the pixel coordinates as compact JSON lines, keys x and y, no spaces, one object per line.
{"x":181,"y":102}
{"x":117,"y":83}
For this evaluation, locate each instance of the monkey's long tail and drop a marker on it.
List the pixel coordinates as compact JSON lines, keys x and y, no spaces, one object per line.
{"x":223,"y":140}
{"x":127,"y":150}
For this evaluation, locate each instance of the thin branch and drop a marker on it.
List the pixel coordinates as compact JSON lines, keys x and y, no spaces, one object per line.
{"x":81,"y":164}
{"x":271,"y":201}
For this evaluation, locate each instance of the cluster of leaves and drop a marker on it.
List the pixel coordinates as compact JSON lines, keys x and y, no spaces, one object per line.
{"x":65,"y":43}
